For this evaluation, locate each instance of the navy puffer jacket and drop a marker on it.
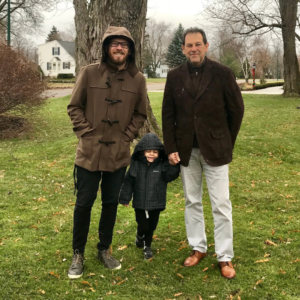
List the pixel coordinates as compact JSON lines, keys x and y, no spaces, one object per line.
{"x":148,"y":183}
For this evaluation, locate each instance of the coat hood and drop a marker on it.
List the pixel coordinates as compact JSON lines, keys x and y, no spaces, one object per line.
{"x":149,"y":141}
{"x":121,"y":32}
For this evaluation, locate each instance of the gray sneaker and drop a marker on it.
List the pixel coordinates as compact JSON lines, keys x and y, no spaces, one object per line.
{"x":76,"y":269}
{"x":108,"y":261}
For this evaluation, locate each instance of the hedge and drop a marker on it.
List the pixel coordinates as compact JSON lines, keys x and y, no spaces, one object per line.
{"x":65,"y":75}
{"x":270,"y":84}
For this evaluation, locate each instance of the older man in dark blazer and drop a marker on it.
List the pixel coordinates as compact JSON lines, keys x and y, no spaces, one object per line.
{"x":202,"y":113}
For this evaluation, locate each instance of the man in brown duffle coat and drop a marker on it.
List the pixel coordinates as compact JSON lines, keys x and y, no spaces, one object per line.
{"x":107,"y":109}
{"x":201,"y":116}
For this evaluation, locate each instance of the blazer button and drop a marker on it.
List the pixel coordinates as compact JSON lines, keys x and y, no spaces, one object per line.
{"x":195,"y":117}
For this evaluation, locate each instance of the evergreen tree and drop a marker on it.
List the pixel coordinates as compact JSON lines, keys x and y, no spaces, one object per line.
{"x":174,"y":56}
{"x":53,"y":35}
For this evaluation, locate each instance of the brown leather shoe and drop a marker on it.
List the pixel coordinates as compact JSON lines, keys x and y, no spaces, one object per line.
{"x":194,"y":258}
{"x":227,"y":269}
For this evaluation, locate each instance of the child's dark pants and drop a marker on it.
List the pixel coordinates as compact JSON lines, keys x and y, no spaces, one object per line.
{"x":146,"y":226}
{"x":87,"y":187}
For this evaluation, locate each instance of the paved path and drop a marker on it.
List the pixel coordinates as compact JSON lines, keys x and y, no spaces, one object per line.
{"x":159,"y":87}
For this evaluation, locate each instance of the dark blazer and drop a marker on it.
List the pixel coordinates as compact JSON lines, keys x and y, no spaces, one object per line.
{"x":214,"y":115}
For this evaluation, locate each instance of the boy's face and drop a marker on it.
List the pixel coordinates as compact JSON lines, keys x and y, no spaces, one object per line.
{"x":151,"y":155}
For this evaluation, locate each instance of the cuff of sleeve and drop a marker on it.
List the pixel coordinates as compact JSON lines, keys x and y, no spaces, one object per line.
{"x":123,"y":201}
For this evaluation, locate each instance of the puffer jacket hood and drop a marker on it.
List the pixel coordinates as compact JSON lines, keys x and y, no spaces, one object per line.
{"x":149,"y":141}
{"x":121,"y":32}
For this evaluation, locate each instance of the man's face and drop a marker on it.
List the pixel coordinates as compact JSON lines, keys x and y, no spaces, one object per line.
{"x":118,"y":51}
{"x":151,"y":155}
{"x":194,"y":48}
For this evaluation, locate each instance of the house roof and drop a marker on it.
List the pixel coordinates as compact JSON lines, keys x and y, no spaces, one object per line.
{"x":68,"y":46}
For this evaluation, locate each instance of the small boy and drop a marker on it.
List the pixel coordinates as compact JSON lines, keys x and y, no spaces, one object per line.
{"x":147,"y":180}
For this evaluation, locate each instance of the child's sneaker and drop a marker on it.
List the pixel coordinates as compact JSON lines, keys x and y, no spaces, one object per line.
{"x":148,"y":253}
{"x":139,"y":241}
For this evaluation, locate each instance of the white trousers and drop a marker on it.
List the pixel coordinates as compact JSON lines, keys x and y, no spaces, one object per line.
{"x":218,"y":188}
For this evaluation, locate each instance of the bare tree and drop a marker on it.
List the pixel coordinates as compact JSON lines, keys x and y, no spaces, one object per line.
{"x":158,"y":39}
{"x":92,"y":18}
{"x":26,"y":15}
{"x":69,"y":33}
{"x":247,"y":17}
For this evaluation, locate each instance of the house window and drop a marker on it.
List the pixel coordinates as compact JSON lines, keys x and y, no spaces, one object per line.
{"x":54,"y":66}
{"x":66,"y":65}
{"x":55,"y":51}
{"x":49,"y":66}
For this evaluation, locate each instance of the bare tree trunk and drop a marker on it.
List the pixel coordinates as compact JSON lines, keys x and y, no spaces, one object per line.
{"x":288,"y":12}
{"x":94,"y":17}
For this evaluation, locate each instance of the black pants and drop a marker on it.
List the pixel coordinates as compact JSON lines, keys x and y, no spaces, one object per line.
{"x":146,"y":226}
{"x":87,"y":187}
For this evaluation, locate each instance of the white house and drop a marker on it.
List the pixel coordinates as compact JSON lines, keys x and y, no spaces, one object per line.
{"x":162,"y":71}
{"x":57,"y":57}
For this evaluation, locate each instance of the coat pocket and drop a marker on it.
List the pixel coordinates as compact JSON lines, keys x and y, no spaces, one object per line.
{"x":161,"y":190}
{"x":221,"y":143}
{"x":124,"y":147}
{"x":85,"y":145}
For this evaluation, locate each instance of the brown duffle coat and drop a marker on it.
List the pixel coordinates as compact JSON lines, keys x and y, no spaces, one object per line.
{"x":214,"y":114}
{"x":107,"y":109}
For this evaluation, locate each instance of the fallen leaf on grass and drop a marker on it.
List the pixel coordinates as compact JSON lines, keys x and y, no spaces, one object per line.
{"x":267,"y":255}
{"x":176,"y":195}
{"x":175,"y":231}
{"x":262,"y":261}
{"x":120,"y":231}
{"x":270,"y":243}
{"x":205,"y":277}
{"x":109,"y":293}
{"x":182,"y":248}
{"x":121,"y":282}
{"x":182,"y":242}
{"x":297,"y":260}
{"x":91,"y":274}
{"x":179,"y":275}
{"x":53,"y":274}
{"x":122,"y":247}
{"x":92,"y":290}
{"x":17,"y":239}
{"x":175,"y":261}
{"x":33,"y":226}
{"x":55,"y":229}
{"x":231,"y":184}
{"x":57,"y":213}
{"x":259,"y":281}
{"x":41,"y":199}
{"x":200,"y":298}
{"x":251,"y":222}
{"x":205,"y":269}
{"x":42,"y":292}
{"x":150,"y":258}
{"x":132,"y":268}
{"x":281,"y":272}
{"x":86,"y":283}
{"x":177,"y":295}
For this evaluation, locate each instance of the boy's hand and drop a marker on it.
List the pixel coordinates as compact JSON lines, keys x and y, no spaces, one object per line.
{"x":174,"y":158}
{"x":126,"y":205}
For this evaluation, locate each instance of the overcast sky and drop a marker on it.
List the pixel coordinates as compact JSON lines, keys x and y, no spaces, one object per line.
{"x":170,"y":11}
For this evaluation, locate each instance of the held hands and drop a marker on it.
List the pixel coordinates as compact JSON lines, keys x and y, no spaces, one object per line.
{"x":126,"y":205}
{"x":174,"y":158}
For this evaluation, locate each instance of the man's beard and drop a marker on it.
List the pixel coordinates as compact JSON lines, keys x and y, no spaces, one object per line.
{"x":117,"y":62}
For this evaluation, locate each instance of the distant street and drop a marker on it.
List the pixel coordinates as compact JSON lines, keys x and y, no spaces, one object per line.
{"x":159,"y":87}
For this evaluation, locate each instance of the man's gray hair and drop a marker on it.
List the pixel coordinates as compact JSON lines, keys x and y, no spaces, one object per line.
{"x":194,"y":30}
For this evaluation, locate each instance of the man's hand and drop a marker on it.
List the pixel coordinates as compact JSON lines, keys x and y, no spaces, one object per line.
{"x":174,"y":158}
{"x":126,"y":205}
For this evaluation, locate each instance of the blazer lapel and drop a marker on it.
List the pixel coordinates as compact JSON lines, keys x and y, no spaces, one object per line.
{"x":206,"y":78}
{"x":186,"y":78}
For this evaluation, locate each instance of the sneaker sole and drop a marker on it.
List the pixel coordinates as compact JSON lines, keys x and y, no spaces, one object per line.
{"x":117,"y":268}
{"x":74,"y":276}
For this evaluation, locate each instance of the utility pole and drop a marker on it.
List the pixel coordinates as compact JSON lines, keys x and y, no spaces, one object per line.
{"x":8,"y":23}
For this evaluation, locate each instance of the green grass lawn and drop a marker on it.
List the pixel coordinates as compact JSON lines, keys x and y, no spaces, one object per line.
{"x":37,"y":202}
{"x":156,"y":80}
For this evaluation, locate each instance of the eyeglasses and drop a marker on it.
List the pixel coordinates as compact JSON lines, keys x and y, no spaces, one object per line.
{"x":124,"y":45}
